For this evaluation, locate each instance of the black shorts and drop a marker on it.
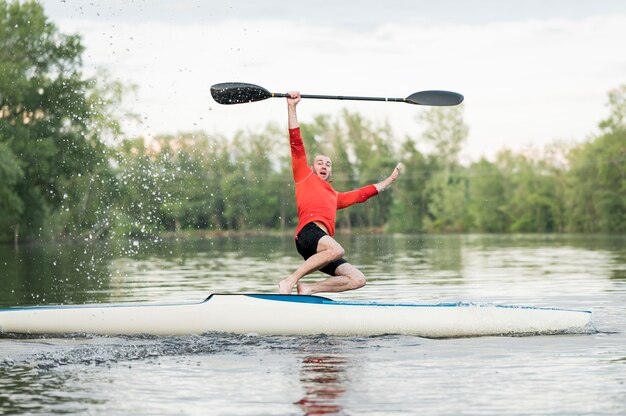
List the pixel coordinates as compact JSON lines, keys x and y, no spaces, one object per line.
{"x":306,"y":243}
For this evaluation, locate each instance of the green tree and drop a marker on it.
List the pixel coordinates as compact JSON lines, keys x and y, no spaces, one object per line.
{"x":138,"y":208}
{"x":410,"y":205}
{"x":261,"y":200}
{"x":533,"y":202}
{"x":446,"y":131}
{"x":448,"y":191}
{"x":51,"y":119}
{"x":11,"y":205}
{"x":447,"y":187}
{"x":596,"y":197}
{"x":488,"y":193}
{"x":373,"y":161}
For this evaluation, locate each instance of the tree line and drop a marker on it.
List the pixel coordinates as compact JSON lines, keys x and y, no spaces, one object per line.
{"x":65,"y":172}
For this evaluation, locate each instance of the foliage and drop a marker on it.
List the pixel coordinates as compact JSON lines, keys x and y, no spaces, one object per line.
{"x":447,"y":188}
{"x":410,"y":205}
{"x":489,"y":193}
{"x":51,"y":119}
{"x":11,"y":205}
{"x":66,"y":170}
{"x":596,"y":197}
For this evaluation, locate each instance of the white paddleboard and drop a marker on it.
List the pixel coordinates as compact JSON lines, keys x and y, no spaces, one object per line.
{"x":269,"y":314}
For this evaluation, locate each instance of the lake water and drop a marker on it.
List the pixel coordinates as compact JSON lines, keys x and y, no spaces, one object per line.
{"x":223,"y":374}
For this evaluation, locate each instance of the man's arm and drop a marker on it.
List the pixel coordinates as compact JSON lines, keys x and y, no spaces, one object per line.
{"x":345,"y":199}
{"x":358,"y":196}
{"x":299,"y":165}
{"x":382,"y":185}
{"x":293,"y":98}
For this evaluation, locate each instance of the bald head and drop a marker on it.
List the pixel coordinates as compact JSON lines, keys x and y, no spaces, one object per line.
{"x":322,"y":167}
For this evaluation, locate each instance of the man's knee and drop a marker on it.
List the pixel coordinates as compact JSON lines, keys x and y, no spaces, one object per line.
{"x":336,"y":252}
{"x":358,"y":282}
{"x":333,"y":249}
{"x":354,"y":275}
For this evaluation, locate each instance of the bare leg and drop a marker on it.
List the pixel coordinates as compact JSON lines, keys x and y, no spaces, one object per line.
{"x":347,"y":277}
{"x":328,"y":250}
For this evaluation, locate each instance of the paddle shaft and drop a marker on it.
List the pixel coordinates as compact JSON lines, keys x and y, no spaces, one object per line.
{"x":241,"y":92}
{"x":342,"y":97}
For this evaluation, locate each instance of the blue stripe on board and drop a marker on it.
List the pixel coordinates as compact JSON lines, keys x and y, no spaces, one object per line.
{"x":327,"y":301}
{"x":294,"y":298}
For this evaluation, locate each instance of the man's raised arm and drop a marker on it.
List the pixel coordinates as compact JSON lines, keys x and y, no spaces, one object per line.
{"x":292,"y":101}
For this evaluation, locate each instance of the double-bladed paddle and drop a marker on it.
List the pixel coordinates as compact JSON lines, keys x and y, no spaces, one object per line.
{"x":241,"y":92}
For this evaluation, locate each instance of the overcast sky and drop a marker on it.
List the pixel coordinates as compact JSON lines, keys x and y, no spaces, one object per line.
{"x":532,"y":72}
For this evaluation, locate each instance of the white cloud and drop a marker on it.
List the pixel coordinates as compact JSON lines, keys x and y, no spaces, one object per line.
{"x":525,"y":82}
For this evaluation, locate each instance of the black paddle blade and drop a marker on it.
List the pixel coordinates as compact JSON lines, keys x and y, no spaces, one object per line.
{"x":434,"y":97}
{"x":238,"y":92}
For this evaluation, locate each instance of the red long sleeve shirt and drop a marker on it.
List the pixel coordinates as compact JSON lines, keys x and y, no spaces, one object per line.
{"x":316,"y":199}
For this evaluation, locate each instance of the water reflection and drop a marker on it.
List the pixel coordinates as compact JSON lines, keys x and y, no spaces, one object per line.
{"x":398,"y":267}
{"x":322,"y":378}
{"x":30,"y":390}
{"x":53,"y":273}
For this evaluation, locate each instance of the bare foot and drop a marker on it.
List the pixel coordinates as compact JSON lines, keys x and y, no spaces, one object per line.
{"x":303,"y":289}
{"x":284,"y":287}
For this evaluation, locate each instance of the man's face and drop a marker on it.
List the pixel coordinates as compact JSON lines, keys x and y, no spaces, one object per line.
{"x":322,"y":167}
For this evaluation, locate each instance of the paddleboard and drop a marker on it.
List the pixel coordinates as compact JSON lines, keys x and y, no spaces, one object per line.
{"x":270,"y":314}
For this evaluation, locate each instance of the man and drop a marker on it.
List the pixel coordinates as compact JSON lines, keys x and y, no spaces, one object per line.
{"x":317,"y":205}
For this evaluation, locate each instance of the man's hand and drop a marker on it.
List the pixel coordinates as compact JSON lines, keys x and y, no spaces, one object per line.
{"x":396,"y":172}
{"x":381,"y":186}
{"x":293,"y":97}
